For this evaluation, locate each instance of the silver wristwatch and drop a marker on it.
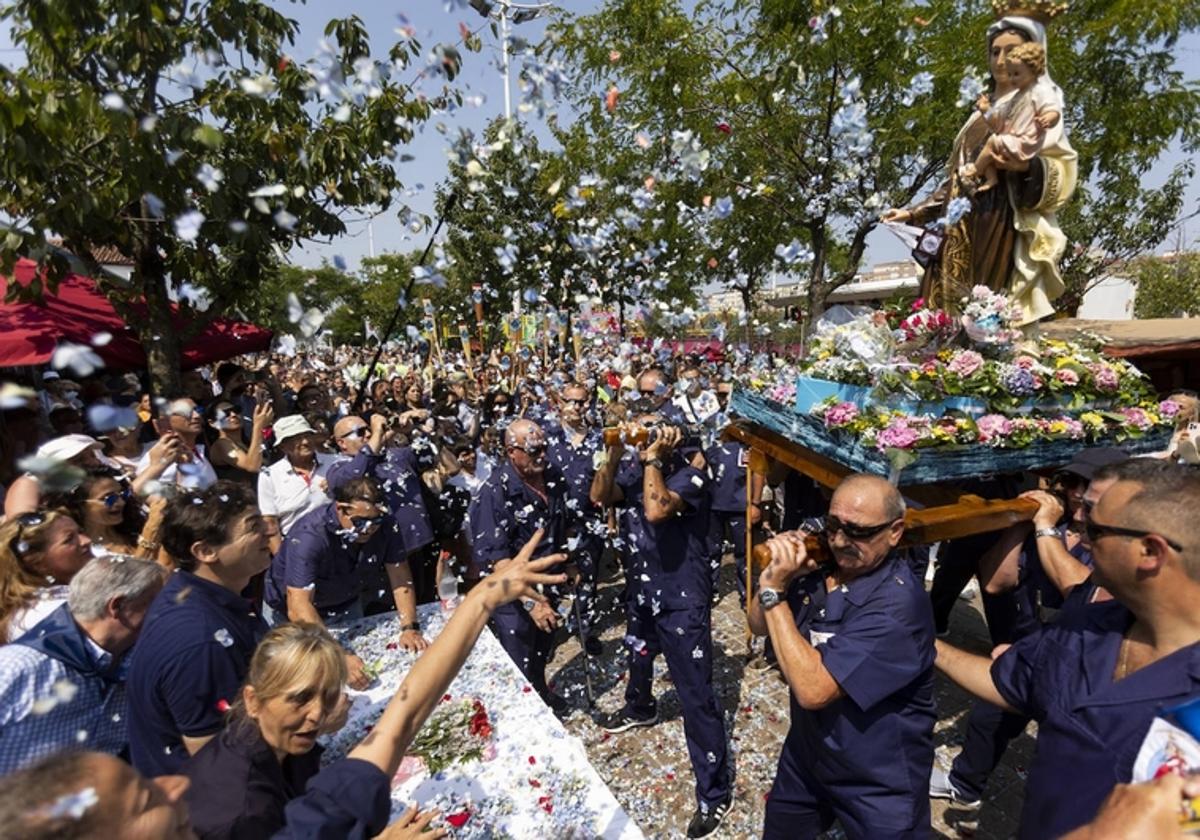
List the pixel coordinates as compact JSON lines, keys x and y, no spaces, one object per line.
{"x":768,"y":598}
{"x":1047,"y":532}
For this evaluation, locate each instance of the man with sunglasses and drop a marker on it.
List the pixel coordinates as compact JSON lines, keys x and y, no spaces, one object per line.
{"x":318,"y":575}
{"x":182,"y":460}
{"x":371,"y":453}
{"x":573,"y":447}
{"x":663,"y":491}
{"x":853,"y":637}
{"x":524,"y":494}
{"x":1095,"y":680}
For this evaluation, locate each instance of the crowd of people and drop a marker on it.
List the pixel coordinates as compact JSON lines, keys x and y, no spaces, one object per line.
{"x":170,"y":566}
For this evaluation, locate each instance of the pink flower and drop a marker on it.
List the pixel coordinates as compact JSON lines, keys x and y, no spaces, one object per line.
{"x":1106,"y":378}
{"x":898,"y":436}
{"x":1067,"y":377}
{"x":965,"y":363}
{"x":1136,"y":418}
{"x":841,"y":414}
{"x":1168,"y":408}
{"x":1027,"y":362}
{"x":993,"y":426}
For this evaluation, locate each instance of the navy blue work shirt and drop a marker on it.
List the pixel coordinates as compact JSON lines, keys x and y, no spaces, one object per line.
{"x":577,"y":464}
{"x":318,"y":553}
{"x":397,"y":472}
{"x":727,"y":463}
{"x":1090,"y":728}
{"x":348,"y":800}
{"x":192,"y":657}
{"x":669,"y":566}
{"x":239,"y":786}
{"x":873,"y":748}
{"x":506,"y":512}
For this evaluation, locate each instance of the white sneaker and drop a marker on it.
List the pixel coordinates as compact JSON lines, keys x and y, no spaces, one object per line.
{"x":969,"y":591}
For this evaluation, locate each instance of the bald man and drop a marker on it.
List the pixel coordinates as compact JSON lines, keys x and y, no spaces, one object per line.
{"x":854,"y":638}
{"x":524,"y":494}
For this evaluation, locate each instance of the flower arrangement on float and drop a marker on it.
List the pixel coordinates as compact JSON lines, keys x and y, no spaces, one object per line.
{"x":903,"y":380}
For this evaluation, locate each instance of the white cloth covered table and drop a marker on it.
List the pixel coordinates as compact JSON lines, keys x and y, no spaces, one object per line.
{"x":533,"y":779}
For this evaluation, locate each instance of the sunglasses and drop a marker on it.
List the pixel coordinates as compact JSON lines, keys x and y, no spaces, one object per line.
{"x":356,"y":432}
{"x":647,"y":393}
{"x":571,"y":401}
{"x":1095,"y":531}
{"x":532,"y":451}
{"x":26,"y":520}
{"x":110,"y":500}
{"x":363,"y":523}
{"x":851,"y":530}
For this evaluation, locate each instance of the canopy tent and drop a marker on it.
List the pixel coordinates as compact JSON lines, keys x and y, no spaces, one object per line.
{"x":77,"y":311}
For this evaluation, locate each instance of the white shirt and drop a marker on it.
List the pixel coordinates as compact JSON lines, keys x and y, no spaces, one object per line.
{"x":47,"y":600}
{"x":196,"y":474}
{"x":288,"y":495}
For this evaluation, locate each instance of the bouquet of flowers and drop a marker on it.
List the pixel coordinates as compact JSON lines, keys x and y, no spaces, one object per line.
{"x":988,"y":319}
{"x":925,"y":329}
{"x":458,"y":731}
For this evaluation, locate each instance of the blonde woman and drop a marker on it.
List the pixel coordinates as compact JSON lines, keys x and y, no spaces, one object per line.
{"x":40,"y":552}
{"x":243,"y":778}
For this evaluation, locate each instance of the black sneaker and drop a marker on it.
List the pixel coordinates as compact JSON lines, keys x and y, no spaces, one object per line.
{"x":557,"y":704}
{"x":623,"y":720}
{"x":707,"y":818}
{"x":592,"y":646}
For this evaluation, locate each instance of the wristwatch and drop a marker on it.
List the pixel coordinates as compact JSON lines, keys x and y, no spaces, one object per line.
{"x":655,"y":462}
{"x":528,"y":603}
{"x":768,"y":598}
{"x":1046,"y":532}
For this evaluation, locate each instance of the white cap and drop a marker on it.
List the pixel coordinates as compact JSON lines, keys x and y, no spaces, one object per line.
{"x":290,"y":426}
{"x":66,"y":447}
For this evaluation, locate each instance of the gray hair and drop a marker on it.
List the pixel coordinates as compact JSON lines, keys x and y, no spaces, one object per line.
{"x":108,"y":577}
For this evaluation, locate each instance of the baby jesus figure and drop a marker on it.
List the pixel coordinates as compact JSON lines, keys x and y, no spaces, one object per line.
{"x":1019,"y":124}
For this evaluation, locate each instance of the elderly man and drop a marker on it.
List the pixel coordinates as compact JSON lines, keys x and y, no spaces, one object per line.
{"x":1095,"y":681}
{"x":62,"y":683}
{"x":664,"y":492}
{"x":520,"y":497}
{"x":181,"y":460}
{"x":295,"y":484}
{"x":853,"y":637}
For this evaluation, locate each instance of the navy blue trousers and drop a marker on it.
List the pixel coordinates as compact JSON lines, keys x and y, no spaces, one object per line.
{"x":525,"y":644}
{"x":684,"y":638}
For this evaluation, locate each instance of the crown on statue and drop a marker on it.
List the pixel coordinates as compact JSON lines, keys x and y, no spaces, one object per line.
{"x":1042,"y":11}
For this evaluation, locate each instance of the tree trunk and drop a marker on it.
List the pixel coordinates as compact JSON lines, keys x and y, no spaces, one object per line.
{"x":748,"y":306}
{"x":157,"y":334}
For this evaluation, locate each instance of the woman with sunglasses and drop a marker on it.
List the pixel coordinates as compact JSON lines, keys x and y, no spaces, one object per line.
{"x":109,"y":515}
{"x":39,"y":554}
{"x":227,"y":449}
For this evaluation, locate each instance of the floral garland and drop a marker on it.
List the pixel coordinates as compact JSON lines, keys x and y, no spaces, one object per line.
{"x":887,"y":429}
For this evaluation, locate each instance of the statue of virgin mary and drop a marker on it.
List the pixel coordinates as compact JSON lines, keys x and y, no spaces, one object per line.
{"x":1010,"y":240}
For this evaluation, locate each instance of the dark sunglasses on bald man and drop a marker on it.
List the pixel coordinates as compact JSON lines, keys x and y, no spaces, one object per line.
{"x":851,"y":530}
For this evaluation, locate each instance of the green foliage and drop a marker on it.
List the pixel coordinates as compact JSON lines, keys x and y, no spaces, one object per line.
{"x":771,"y":90}
{"x":124,"y":103}
{"x":1167,"y":288}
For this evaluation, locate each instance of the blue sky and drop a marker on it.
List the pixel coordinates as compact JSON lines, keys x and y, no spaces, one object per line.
{"x":481,"y":76}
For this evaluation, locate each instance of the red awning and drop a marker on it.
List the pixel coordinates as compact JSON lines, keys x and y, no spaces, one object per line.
{"x":77,"y":311}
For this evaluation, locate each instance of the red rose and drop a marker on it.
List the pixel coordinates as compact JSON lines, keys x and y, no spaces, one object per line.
{"x":458,"y":820}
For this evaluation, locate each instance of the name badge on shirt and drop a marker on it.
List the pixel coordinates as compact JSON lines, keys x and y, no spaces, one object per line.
{"x":816,"y":638}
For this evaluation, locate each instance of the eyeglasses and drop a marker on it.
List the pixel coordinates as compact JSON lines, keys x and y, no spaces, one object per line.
{"x":1095,"y":531}
{"x":26,"y":520}
{"x":647,"y":392}
{"x":851,"y":530}
{"x":532,"y":451}
{"x":356,"y":432}
{"x":573,"y":401}
{"x":362,"y":523}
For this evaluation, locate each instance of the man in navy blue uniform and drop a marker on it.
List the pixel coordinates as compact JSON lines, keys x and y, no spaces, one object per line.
{"x":727,"y":462}
{"x":372,"y":455}
{"x":573,"y":447}
{"x":1095,"y":681}
{"x":330,"y":554}
{"x":199,"y":634}
{"x":853,"y":638}
{"x":664,"y":493}
{"x":523,"y":495}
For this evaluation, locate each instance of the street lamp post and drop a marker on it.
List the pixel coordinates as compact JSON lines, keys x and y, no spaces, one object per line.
{"x":504,"y":11}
